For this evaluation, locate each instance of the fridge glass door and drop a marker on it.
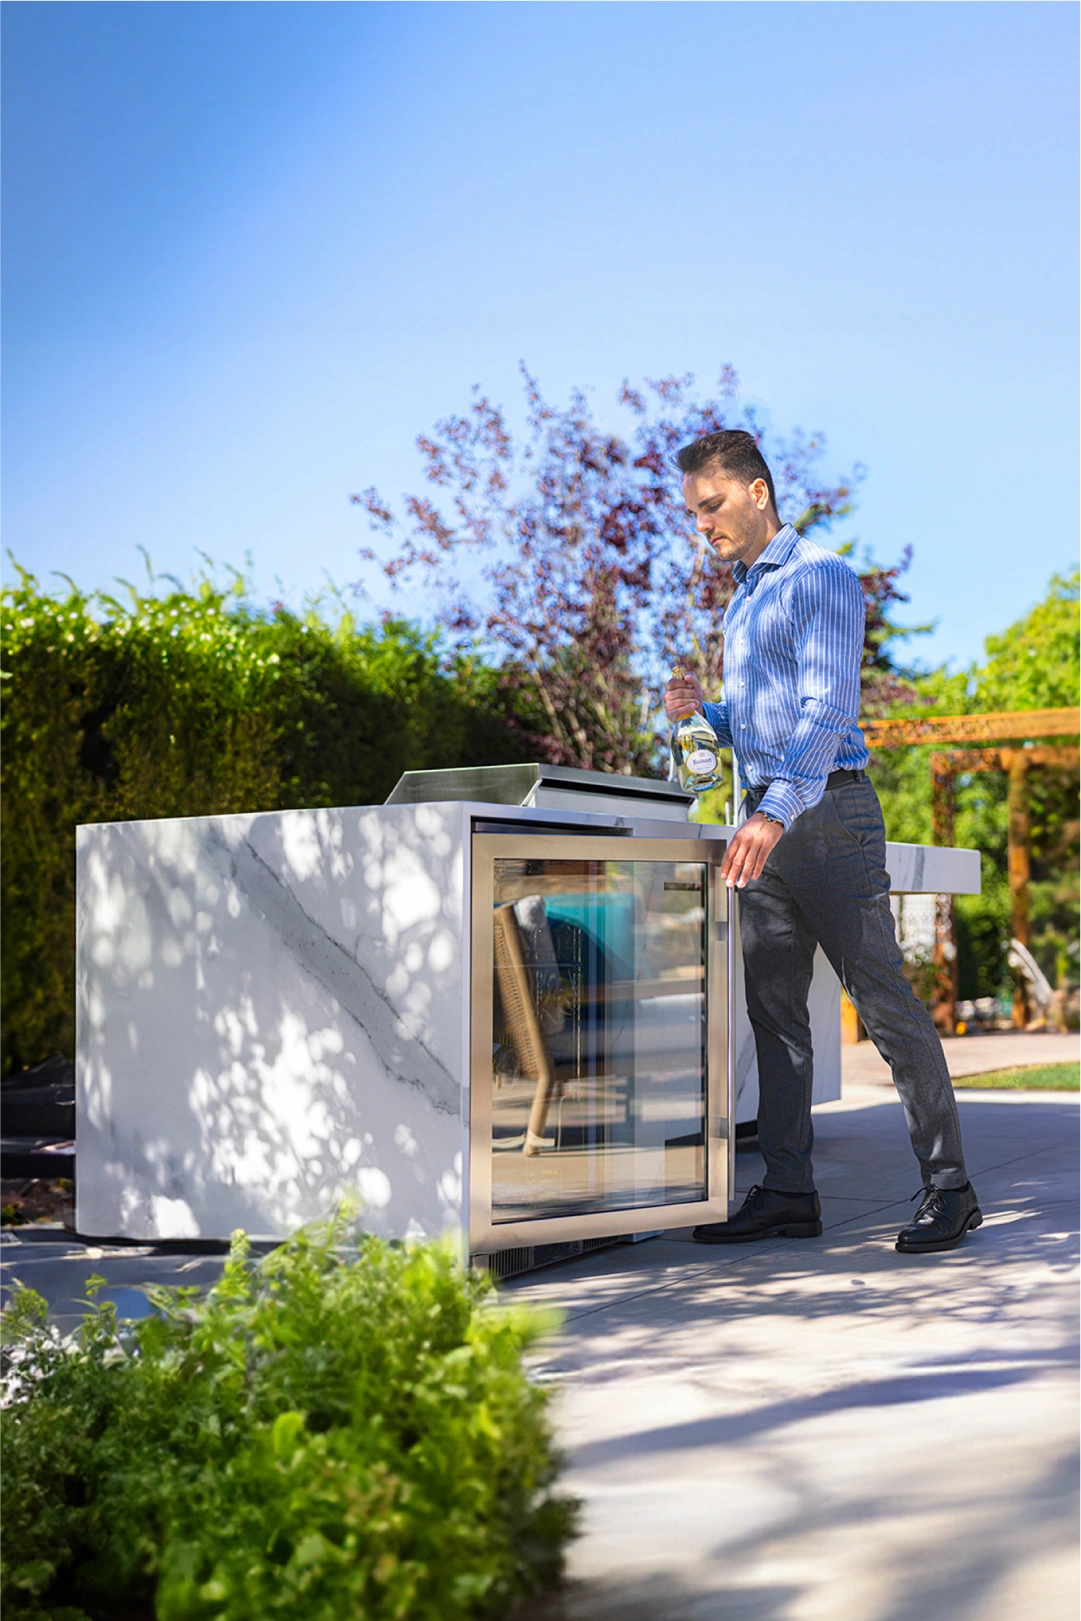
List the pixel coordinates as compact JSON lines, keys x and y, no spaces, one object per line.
{"x":598,"y":1029}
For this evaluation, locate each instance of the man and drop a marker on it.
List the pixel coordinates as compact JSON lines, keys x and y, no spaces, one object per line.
{"x":810,"y":857}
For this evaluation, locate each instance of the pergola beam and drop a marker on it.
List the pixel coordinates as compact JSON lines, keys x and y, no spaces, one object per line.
{"x":1008,"y":725}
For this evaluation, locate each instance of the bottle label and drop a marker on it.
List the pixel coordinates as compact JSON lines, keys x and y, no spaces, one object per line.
{"x":701,"y":762}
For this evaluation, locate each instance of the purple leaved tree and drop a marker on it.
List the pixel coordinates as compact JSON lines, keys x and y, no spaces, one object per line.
{"x":587,"y":577}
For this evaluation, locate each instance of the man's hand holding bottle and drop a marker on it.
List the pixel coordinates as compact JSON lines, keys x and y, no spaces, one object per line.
{"x":683,"y":696}
{"x":750,"y":847}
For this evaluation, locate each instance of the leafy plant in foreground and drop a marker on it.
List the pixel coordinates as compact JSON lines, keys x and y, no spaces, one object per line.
{"x":330,"y":1433}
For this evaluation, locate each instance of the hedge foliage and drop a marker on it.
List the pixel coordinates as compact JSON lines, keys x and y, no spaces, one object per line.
{"x":331,"y":1432}
{"x":187,"y":704}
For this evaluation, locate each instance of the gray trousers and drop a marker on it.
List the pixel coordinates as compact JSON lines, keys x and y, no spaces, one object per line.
{"x":826,"y":883}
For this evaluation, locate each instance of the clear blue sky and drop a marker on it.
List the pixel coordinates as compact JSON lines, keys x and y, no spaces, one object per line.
{"x":251,"y":250}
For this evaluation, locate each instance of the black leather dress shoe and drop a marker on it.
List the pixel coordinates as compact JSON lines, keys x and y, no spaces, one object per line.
{"x":766,"y":1214}
{"x":944,"y":1217}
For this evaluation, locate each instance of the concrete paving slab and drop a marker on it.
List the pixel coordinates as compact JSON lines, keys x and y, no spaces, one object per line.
{"x":825,"y":1430}
{"x":60,"y":1268}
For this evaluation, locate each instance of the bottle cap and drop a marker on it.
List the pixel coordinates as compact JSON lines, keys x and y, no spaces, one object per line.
{"x":678,"y":672}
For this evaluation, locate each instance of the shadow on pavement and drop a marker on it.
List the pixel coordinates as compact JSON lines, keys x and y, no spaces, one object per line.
{"x":733,"y":1428}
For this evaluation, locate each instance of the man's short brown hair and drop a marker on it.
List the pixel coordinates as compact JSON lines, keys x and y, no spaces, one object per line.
{"x":734,"y":451}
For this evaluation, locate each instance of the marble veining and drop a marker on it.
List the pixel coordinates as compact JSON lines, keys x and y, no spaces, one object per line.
{"x":341,"y":973}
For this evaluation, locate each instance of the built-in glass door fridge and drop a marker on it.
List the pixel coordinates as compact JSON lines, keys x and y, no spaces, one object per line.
{"x":600,"y":1069}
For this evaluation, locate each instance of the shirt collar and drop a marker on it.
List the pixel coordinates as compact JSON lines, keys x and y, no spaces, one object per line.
{"x":775,"y":555}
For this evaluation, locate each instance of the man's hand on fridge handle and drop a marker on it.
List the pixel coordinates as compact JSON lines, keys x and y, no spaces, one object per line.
{"x":747,"y":853}
{"x":683,"y":697}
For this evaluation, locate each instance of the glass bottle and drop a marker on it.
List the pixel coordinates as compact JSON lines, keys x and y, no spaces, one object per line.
{"x":695,"y":750}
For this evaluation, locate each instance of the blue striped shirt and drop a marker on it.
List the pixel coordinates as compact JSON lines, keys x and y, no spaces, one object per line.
{"x":793,"y":645}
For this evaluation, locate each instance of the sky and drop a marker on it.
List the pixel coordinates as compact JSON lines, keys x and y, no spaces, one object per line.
{"x":252,"y":250}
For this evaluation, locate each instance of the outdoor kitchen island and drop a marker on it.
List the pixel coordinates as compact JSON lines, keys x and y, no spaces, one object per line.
{"x":507,"y":1003}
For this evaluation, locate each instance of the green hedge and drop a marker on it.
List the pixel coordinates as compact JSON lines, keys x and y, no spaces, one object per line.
{"x":189,"y":704}
{"x":331,"y":1433}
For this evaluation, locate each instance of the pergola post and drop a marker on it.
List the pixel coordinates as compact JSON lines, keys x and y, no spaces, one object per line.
{"x":1019,"y":862}
{"x":944,"y":991}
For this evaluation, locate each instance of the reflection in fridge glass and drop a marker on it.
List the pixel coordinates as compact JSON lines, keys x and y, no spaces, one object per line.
{"x":599,"y":1036}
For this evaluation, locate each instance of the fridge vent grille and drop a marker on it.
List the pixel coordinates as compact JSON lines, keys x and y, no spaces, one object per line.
{"x":509,"y":1263}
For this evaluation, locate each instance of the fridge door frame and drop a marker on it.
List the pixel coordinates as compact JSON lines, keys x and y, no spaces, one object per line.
{"x":487,"y":1237}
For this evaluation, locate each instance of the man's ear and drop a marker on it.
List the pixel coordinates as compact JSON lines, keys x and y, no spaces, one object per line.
{"x":760,"y":494}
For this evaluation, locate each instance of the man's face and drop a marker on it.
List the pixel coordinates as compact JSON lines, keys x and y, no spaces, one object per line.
{"x":736,"y":519}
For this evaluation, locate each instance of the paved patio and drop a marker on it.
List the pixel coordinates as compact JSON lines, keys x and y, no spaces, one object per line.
{"x":825,"y":1430}
{"x":972,"y":1055}
{"x":804,"y":1431}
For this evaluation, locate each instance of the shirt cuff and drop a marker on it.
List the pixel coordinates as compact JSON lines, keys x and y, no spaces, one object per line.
{"x":781,"y":801}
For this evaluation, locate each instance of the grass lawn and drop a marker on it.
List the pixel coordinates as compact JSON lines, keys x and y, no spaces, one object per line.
{"x":1044,"y":1077}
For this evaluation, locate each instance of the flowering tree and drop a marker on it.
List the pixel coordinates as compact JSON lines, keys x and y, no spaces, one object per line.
{"x":593,"y":578}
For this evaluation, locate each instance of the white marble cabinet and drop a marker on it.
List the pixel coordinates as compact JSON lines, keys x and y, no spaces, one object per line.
{"x":271,"y":1011}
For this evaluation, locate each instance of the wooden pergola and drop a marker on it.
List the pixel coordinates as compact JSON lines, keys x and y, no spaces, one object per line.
{"x":1019,"y":730}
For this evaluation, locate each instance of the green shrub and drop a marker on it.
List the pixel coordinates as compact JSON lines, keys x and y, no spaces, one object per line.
{"x":190,"y":704}
{"x":330,"y":1433}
